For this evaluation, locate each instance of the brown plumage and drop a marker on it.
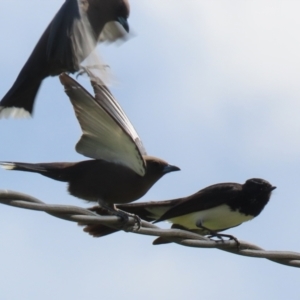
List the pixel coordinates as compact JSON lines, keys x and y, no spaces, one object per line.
{"x":66,"y":42}
{"x":99,"y":180}
{"x":121,"y":171}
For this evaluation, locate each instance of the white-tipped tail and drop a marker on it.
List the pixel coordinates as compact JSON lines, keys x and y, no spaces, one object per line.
{"x":7,"y":166}
{"x":13,"y":112}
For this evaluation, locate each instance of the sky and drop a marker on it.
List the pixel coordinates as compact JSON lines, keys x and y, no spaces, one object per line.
{"x":210,"y":86}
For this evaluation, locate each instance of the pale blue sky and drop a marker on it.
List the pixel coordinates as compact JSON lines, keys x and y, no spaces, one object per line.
{"x":210,"y":86}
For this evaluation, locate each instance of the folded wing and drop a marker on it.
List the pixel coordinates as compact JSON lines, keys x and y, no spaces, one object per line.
{"x":204,"y":199}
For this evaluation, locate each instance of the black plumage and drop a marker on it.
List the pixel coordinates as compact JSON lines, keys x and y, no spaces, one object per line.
{"x":212,"y":209}
{"x":67,"y":41}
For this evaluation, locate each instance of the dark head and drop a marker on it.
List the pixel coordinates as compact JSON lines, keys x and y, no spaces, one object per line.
{"x":258,"y":186}
{"x":257,"y":195}
{"x":101,"y":12}
{"x":156,"y":168}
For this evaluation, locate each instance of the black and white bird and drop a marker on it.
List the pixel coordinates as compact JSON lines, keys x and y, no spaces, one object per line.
{"x":70,"y":37}
{"x":211,"y":210}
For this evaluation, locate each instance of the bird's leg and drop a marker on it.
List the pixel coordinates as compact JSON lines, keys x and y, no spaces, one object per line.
{"x":221,"y":235}
{"x":138,"y":220}
{"x":123,"y":215}
{"x":213,"y":233}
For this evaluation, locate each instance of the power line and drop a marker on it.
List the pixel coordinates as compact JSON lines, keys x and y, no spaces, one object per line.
{"x":182,"y":237}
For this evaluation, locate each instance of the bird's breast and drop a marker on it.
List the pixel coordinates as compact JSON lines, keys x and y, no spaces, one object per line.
{"x":216,"y":218}
{"x":96,"y":179}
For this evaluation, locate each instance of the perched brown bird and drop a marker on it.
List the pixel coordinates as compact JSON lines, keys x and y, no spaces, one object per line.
{"x":121,"y":171}
{"x":67,"y":41}
{"x":209,"y":211}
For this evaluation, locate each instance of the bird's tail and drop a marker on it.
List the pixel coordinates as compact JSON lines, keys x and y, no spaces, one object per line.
{"x":18,"y":101}
{"x":57,"y":171}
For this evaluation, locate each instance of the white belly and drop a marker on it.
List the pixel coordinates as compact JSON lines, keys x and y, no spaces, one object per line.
{"x":217,"y":218}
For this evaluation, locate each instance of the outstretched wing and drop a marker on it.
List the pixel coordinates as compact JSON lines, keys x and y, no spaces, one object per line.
{"x":71,"y":37}
{"x":78,"y":26}
{"x":107,"y":132}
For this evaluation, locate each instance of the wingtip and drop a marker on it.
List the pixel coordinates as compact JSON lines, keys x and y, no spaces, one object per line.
{"x":14,"y":113}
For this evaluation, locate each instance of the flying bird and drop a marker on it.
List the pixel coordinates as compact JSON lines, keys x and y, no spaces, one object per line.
{"x":67,"y":41}
{"x":120,"y":171}
{"x":211,"y":210}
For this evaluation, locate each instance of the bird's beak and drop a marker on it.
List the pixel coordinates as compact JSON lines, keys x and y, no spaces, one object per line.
{"x":272,"y":188}
{"x":124,"y":23}
{"x":170,"y":168}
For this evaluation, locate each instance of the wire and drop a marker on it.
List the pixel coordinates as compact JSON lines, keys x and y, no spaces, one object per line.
{"x":182,"y":237}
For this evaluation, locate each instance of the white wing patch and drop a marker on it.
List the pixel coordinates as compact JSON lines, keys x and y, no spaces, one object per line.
{"x":84,"y":40}
{"x":104,"y":97}
{"x":83,"y":37}
{"x":107,"y":133}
